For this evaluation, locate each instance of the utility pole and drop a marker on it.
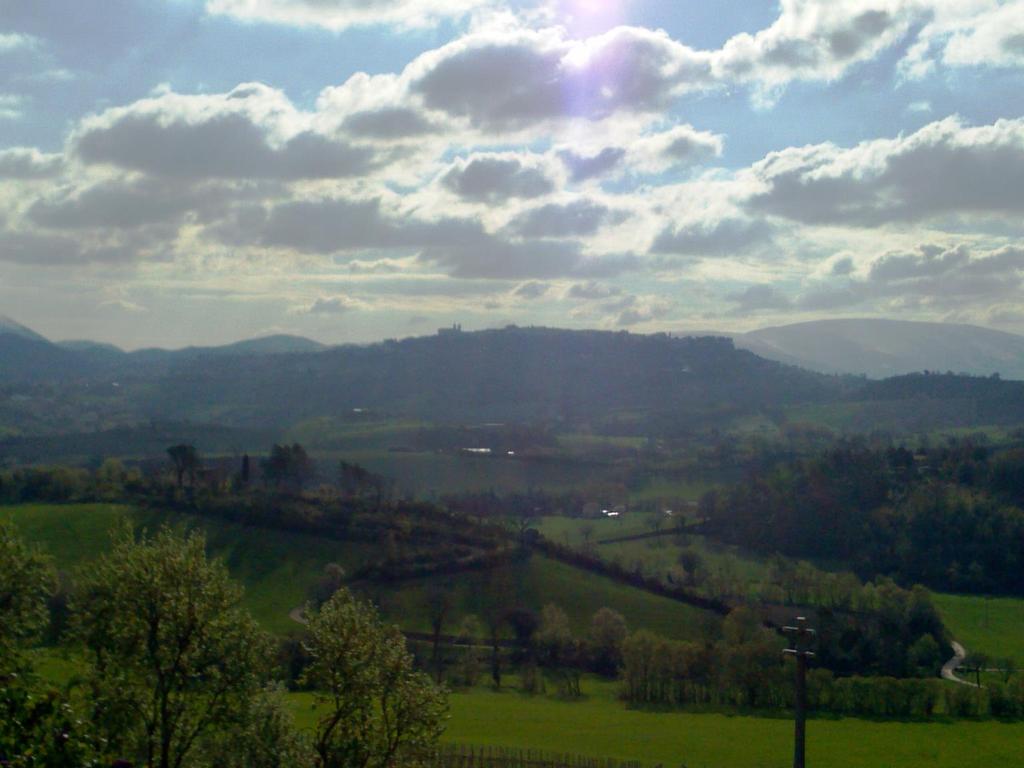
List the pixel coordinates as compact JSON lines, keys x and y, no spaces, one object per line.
{"x":802,"y":638}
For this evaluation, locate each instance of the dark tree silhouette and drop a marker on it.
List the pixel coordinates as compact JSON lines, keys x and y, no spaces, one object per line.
{"x":186,"y":460}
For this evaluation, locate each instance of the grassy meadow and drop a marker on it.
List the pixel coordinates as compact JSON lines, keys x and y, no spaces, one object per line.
{"x":600,"y":726}
{"x":991,"y":625}
{"x":539,"y":581}
{"x":277,"y":568}
{"x":653,"y":556}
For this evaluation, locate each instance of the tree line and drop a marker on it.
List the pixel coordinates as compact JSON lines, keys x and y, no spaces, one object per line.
{"x":748,"y":671}
{"x":948,"y":517}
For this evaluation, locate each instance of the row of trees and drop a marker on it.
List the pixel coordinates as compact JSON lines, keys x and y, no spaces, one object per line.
{"x":286,"y":469}
{"x":750,"y":672}
{"x":178,"y":674}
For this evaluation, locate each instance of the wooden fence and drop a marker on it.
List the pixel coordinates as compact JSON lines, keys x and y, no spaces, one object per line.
{"x":469,"y":756}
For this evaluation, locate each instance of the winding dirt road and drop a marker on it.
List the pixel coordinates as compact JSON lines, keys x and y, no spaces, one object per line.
{"x":950,"y":667}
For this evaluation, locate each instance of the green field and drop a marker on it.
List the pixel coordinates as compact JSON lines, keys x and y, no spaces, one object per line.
{"x":276,"y":567}
{"x":431,"y":475}
{"x":600,"y":726}
{"x":569,"y":530}
{"x":541,"y":580}
{"x":991,"y":625}
{"x":653,"y":556}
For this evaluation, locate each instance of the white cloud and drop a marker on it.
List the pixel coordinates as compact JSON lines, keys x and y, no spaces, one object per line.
{"x":944,"y":169}
{"x":331,"y":305}
{"x":11,"y":106}
{"x":759,"y":298}
{"x":29,"y":163}
{"x":727,"y":236}
{"x":814,"y":40}
{"x":510,"y":79}
{"x":531,"y":291}
{"x":338,"y":15}
{"x":681,"y":146}
{"x":252,"y":131}
{"x":492,"y":178}
{"x":124,"y":204}
{"x":13,"y":41}
{"x":967,"y":33}
{"x":47,"y":250}
{"x":582,"y":167}
{"x":939,"y":276}
{"x":578,"y":218}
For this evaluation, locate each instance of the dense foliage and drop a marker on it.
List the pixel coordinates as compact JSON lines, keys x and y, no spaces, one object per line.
{"x":380,"y":712}
{"x":946,"y":517}
{"x":180,"y":677}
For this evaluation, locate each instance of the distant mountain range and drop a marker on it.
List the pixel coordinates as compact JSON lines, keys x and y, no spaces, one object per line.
{"x":884,"y":348}
{"x":872,"y":347}
{"x":513,"y":374}
{"x":28,"y":356}
{"x":619,"y":383}
{"x":10,"y":328}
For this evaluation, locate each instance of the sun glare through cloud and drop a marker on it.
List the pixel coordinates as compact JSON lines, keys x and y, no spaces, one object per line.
{"x":511,"y":383}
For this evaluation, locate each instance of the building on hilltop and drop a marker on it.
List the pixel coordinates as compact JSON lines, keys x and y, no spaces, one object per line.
{"x":454,"y":330}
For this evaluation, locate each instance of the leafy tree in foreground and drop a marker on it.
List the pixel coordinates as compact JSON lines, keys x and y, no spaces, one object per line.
{"x":266,"y":738}
{"x":38,"y":727}
{"x":380,"y":712}
{"x":174,"y":658}
{"x":27,"y":580}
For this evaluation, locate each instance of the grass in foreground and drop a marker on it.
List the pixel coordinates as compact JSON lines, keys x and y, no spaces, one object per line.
{"x":600,"y":726}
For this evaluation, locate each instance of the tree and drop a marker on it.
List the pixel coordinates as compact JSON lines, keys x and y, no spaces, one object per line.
{"x":111,"y":478}
{"x":524,"y":623}
{"x":608,"y":631}
{"x":925,"y":654}
{"x":380,"y":712}
{"x":331,"y":581}
{"x":468,"y":665}
{"x":287,"y":465}
{"x":439,"y":606}
{"x":185,"y":459}
{"x":356,"y":481}
{"x":27,"y":580}
{"x":587,"y":532}
{"x":266,"y":738}
{"x":38,"y":727}
{"x":559,"y":651}
{"x":492,"y":601}
{"x":173,"y":657}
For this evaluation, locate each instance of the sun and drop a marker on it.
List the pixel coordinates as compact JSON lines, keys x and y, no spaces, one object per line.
{"x":591,"y":17}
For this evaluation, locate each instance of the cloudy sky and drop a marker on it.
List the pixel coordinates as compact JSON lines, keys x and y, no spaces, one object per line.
{"x":201,"y":171}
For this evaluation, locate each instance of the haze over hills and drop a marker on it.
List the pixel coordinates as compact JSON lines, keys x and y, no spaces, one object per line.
{"x":512,"y":374}
{"x":9,"y":327}
{"x":27,"y":356}
{"x":882,"y":348}
{"x":614,"y":381}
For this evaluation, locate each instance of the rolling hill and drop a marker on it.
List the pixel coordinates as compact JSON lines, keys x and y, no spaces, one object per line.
{"x":9,"y":327}
{"x":512,"y":374}
{"x":882,"y":348}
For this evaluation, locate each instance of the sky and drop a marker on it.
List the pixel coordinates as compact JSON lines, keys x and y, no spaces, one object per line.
{"x":178,"y":172}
